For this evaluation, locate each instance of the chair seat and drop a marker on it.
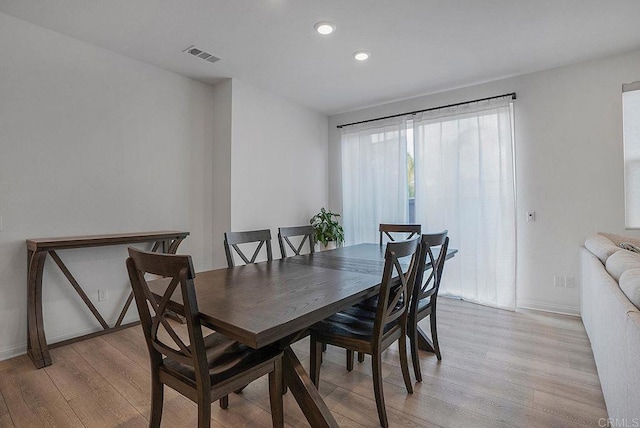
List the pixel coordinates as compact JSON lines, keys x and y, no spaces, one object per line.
{"x":371,"y":304}
{"x":367,"y":309}
{"x":354,"y":323}
{"x":226,"y":358}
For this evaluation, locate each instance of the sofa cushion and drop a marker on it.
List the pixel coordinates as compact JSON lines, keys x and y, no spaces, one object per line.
{"x":601,"y":247}
{"x":619,"y":239}
{"x":621,"y":261}
{"x":630,"y":285}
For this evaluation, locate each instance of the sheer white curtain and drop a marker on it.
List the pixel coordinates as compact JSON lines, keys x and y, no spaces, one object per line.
{"x":464,"y":181}
{"x":374,"y":178}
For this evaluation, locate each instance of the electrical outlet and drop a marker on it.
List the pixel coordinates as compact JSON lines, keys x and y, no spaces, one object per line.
{"x":558,"y":281}
{"x":102,"y":295}
{"x":570,"y":281}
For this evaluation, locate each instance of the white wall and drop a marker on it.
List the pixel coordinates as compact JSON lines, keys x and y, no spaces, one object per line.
{"x":569,"y":164}
{"x":93,"y":142}
{"x":278,"y":162}
{"x":222,"y":125}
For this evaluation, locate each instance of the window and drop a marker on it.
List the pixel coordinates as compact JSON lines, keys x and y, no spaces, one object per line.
{"x":631,"y":133}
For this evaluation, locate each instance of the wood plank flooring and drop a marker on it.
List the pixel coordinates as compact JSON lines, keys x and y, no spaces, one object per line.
{"x":499,"y":369}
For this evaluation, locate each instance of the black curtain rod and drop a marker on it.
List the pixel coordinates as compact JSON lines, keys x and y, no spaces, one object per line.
{"x":512,"y":95}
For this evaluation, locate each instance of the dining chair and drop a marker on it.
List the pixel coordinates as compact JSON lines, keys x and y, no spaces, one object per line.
{"x":232,"y":240}
{"x":388,"y":229}
{"x":424,"y":297}
{"x":284,"y":233}
{"x":207,"y":368}
{"x":385,"y":229}
{"x":356,"y":329}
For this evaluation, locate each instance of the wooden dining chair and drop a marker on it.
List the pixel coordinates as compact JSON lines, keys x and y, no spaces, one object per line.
{"x":388,"y":229}
{"x":385,"y":230}
{"x":284,"y":233}
{"x":424,"y":297}
{"x":359,"y":330}
{"x":207,"y":368}
{"x":232,"y":240}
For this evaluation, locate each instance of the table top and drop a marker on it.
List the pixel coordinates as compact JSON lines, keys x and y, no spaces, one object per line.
{"x":364,"y":258}
{"x":35,"y":244}
{"x":260,"y":303}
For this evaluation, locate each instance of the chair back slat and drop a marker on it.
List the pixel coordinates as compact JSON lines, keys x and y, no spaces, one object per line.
{"x":232,"y":240}
{"x":179,"y":274}
{"x":284,"y":233}
{"x":397,"y":284}
{"x":387,"y":229}
{"x":160,"y":308}
{"x":428,"y":288}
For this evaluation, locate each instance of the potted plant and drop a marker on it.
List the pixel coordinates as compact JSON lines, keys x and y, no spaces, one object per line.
{"x":328,"y":232}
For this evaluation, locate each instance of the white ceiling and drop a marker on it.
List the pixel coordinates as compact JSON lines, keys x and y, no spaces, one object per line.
{"x":417,"y":46}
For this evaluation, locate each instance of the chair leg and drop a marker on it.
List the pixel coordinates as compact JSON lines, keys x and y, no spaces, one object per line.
{"x":157,"y":398}
{"x":404,"y":363}
{"x":224,"y":402}
{"x":316,"y":358}
{"x":376,"y":365}
{"x":415,"y":356}
{"x":434,"y":334}
{"x":360,"y":357}
{"x":275,"y":394}
{"x":204,"y":409}
{"x":349,"y":359}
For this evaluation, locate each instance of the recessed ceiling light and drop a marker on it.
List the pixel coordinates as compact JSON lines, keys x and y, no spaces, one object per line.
{"x":324,"y":27}
{"x":361,"y":55}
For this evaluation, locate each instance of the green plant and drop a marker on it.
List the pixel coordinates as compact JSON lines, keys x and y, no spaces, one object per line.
{"x":327,"y":228}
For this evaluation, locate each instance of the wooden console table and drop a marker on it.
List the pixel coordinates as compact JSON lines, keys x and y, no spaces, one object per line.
{"x":37,"y":249}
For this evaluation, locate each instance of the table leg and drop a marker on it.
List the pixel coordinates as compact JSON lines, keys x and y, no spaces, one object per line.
{"x":424,"y":342}
{"x":174,"y":246}
{"x":305,"y":393}
{"x":37,"y":348}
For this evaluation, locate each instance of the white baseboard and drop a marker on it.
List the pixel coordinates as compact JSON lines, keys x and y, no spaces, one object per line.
{"x":549,"y":307}
{"x":20,"y":349}
{"x":12,"y":351}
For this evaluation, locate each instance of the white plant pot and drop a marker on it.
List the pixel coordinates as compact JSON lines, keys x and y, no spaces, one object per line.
{"x":331,"y":245}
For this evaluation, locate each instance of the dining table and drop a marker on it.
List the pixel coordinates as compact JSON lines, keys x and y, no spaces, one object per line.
{"x":277,"y":301}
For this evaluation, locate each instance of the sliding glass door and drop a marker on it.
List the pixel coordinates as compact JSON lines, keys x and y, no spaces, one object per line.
{"x":465,"y":183}
{"x":374,"y":179}
{"x":458,"y":163}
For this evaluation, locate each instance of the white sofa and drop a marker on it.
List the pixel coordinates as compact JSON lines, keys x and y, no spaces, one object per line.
{"x":610,"y":298}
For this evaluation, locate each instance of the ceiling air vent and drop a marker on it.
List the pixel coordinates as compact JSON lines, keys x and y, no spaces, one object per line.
{"x":199,"y":53}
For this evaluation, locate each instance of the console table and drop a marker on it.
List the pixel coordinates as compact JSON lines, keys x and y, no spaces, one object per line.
{"x":37,"y":251}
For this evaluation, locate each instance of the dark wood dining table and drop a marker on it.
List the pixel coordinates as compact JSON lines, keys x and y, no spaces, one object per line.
{"x":276,"y":301}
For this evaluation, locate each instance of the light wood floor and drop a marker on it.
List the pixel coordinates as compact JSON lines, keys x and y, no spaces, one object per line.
{"x":499,"y":368}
